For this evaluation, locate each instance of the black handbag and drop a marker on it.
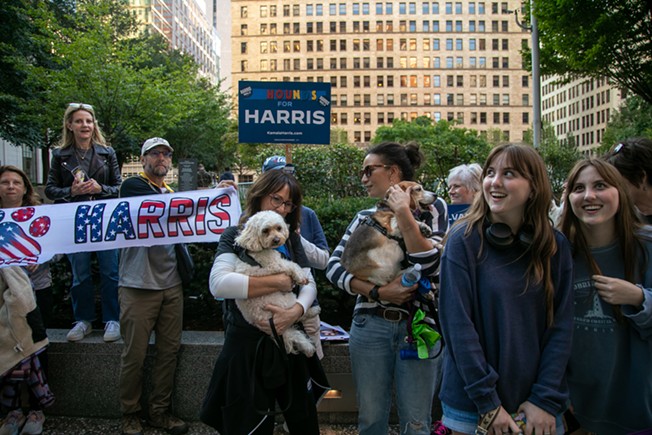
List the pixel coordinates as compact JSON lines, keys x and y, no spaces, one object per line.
{"x":185,"y":264}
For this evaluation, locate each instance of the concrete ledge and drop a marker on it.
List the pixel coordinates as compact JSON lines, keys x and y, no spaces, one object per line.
{"x":84,"y":376}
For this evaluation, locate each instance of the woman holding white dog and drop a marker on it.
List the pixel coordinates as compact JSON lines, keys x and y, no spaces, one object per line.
{"x":380,"y":317}
{"x":252,"y":374}
{"x":506,"y":305}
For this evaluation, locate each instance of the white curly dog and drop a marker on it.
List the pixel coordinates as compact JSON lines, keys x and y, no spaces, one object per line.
{"x":263,"y":232}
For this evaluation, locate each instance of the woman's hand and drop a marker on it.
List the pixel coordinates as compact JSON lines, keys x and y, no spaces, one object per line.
{"x":90,"y":187}
{"x":283,"y":318}
{"x":396,"y":293}
{"x":397,"y":198}
{"x":503,"y":423}
{"x":617,"y":291}
{"x":537,"y":421}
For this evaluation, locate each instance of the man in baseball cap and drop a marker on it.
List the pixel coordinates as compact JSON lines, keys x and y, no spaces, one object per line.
{"x":154,"y":142}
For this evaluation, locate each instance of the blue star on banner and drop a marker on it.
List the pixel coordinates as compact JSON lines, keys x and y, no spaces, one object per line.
{"x":120,"y":222}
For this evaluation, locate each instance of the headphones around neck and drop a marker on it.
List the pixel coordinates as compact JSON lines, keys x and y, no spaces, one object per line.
{"x":500,"y":236}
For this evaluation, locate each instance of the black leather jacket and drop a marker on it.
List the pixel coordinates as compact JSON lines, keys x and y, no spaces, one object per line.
{"x":103,"y":168}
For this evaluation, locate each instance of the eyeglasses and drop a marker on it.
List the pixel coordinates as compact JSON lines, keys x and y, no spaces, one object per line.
{"x":156,"y":154}
{"x":83,"y":106}
{"x":369,"y":169}
{"x":277,"y":201}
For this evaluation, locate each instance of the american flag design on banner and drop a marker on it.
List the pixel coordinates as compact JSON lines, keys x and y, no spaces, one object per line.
{"x":16,"y":245}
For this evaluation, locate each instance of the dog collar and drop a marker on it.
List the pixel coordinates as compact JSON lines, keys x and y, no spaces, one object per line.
{"x":375,"y":225}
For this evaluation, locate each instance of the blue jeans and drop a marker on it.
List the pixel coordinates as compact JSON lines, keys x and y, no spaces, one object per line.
{"x":83,"y":290}
{"x":374,"y":347}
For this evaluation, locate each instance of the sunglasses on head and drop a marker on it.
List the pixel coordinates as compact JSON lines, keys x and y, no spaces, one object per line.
{"x":618,"y":148}
{"x":80,"y":106}
{"x":369,"y":169}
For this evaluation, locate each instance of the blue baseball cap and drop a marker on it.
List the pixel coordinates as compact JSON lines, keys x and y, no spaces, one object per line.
{"x":278,"y":162}
{"x":274,"y":162}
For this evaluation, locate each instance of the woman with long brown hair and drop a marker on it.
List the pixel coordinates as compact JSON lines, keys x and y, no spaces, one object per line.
{"x":16,"y":190}
{"x":612,"y":339}
{"x":506,"y":306}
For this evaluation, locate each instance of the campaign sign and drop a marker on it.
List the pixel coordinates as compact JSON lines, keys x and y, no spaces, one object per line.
{"x":284,"y":112}
{"x":456,"y":211}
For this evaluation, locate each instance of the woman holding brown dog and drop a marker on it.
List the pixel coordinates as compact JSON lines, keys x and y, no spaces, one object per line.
{"x":381,"y":315}
{"x":253,"y":374}
{"x":506,"y":305}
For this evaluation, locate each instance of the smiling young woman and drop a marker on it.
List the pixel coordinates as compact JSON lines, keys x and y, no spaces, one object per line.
{"x":612,"y":339}
{"x":506,"y":306}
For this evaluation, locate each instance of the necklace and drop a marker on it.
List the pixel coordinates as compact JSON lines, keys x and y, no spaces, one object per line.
{"x":79,"y":154}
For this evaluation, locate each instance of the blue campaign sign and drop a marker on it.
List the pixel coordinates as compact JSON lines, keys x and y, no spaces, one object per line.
{"x":456,"y":211}
{"x":284,"y":112}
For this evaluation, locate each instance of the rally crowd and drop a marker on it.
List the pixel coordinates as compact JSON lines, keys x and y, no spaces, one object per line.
{"x":542,"y":323}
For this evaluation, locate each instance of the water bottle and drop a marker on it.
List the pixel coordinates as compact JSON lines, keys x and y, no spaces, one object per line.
{"x":411,"y":276}
{"x":409,"y":352}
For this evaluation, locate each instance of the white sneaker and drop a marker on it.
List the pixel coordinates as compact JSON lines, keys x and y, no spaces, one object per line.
{"x":111,"y":331}
{"x":79,"y":331}
{"x":34,"y":424}
{"x":13,"y":422}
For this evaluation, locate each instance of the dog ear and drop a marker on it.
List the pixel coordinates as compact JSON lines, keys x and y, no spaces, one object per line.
{"x":249,"y":238}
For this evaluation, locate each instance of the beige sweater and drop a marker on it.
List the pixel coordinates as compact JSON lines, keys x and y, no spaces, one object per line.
{"x":16,"y":301}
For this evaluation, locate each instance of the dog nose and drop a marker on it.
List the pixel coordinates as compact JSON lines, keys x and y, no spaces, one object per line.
{"x":277,"y":240}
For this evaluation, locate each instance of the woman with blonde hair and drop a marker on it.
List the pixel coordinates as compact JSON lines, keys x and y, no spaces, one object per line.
{"x":85,"y":168}
{"x":612,"y":340}
{"x":463,"y":183}
{"x":506,"y":304}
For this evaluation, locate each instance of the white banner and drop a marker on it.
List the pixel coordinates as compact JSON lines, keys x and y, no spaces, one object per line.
{"x":32,"y":235}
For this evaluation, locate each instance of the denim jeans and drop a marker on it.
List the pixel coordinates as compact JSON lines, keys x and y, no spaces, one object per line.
{"x":83,"y":290}
{"x":374,"y":347}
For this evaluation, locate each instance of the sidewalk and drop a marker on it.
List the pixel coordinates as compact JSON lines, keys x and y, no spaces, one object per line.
{"x":56,"y":425}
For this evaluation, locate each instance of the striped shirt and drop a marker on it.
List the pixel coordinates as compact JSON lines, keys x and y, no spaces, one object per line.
{"x":429,"y":260}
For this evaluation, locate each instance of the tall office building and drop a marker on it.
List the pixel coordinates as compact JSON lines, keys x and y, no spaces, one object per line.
{"x":579,"y":109}
{"x":455,"y":60}
{"x":187,"y":26}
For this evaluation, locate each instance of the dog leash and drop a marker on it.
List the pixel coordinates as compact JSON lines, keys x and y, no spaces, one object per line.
{"x":278,"y":341}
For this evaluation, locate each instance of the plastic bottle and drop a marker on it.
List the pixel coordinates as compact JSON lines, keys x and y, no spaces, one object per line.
{"x":411,"y":276}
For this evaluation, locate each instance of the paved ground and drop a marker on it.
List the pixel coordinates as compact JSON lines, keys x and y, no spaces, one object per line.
{"x":98,"y":426}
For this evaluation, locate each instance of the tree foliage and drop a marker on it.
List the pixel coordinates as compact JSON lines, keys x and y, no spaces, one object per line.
{"x":444,"y":145}
{"x":138,"y":86}
{"x":634,"y":119}
{"x":558,"y":156}
{"x":23,"y":44}
{"x":598,"y":38}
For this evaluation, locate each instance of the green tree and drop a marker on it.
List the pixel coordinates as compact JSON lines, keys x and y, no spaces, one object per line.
{"x":444,"y":145}
{"x":634,"y":119}
{"x":605,"y":38}
{"x":559,"y":157}
{"x":23,"y":44}
{"x":138,"y":86}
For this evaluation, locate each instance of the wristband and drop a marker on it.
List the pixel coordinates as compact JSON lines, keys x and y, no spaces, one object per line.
{"x":373,"y":294}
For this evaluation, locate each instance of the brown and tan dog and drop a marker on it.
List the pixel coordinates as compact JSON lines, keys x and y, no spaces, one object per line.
{"x":374,"y":251}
